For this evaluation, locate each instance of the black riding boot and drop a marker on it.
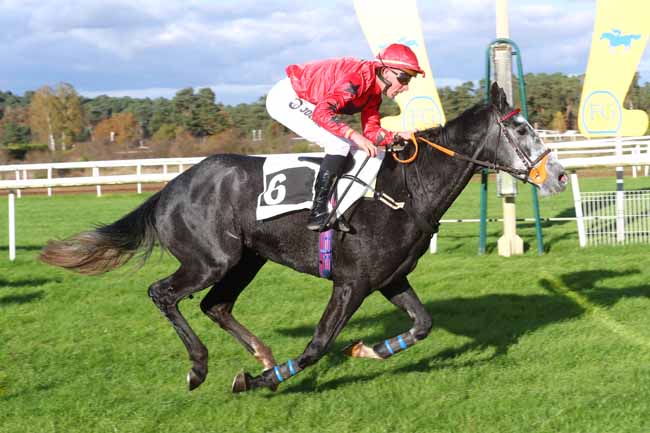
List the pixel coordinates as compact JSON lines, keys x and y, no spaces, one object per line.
{"x":330,"y":169}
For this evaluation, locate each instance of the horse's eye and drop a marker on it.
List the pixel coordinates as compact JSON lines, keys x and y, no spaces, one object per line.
{"x":522,"y":130}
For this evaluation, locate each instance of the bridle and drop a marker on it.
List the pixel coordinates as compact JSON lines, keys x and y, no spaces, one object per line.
{"x":535,"y":171}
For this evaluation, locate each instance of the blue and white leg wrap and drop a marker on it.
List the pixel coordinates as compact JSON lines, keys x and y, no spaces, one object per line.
{"x":394,"y":345}
{"x":284,"y":371}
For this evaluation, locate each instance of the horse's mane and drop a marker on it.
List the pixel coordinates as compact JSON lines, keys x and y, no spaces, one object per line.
{"x":435,"y":132}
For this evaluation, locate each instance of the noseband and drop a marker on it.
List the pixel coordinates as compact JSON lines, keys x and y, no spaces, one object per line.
{"x":535,"y":171}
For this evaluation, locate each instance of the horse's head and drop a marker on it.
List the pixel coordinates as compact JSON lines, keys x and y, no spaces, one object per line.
{"x":514,"y":144}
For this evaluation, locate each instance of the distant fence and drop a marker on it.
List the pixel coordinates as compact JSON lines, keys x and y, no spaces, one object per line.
{"x":614,"y":217}
{"x":43,"y":176}
{"x":96,"y":173}
{"x":610,"y":152}
{"x":576,"y":153}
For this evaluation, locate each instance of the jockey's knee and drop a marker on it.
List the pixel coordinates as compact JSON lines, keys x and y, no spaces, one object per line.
{"x":337,"y":146}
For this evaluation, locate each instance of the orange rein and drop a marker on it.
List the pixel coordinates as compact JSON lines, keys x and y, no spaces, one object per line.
{"x":536,"y":174}
{"x":417,"y":149}
{"x":415,"y":154}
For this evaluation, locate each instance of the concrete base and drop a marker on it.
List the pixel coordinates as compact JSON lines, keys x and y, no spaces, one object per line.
{"x":510,"y":246}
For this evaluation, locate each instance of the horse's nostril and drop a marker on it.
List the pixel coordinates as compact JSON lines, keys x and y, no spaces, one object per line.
{"x":563,"y":179}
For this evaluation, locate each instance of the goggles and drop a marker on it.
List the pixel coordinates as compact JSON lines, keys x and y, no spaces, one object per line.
{"x":403,"y":78}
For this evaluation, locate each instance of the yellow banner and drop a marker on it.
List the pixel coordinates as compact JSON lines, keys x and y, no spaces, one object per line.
{"x":389,"y":21}
{"x":620,"y":36}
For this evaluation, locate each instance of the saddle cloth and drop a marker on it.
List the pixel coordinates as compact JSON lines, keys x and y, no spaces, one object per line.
{"x":289,"y":183}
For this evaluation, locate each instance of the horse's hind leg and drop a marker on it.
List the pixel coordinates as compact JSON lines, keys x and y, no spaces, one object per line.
{"x":166,"y":294}
{"x":344,"y":302}
{"x":401,"y":295}
{"x":220,"y":300}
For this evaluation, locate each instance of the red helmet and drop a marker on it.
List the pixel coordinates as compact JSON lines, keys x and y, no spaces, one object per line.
{"x":401,"y":57}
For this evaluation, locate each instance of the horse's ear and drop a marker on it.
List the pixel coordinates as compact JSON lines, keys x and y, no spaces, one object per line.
{"x":498,"y":97}
{"x":494,"y":93}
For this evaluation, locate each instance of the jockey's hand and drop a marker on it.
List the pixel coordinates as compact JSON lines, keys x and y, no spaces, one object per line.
{"x":365,"y":144}
{"x":406,"y":135}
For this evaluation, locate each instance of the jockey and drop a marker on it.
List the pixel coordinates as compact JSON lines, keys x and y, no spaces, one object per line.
{"x":309,"y":101}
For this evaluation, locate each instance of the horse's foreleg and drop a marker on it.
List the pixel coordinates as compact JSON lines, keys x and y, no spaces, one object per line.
{"x":402,"y":295}
{"x":166,"y":294}
{"x":344,"y":302}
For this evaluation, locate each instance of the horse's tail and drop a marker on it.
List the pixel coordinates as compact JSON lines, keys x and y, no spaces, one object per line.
{"x":108,"y":246}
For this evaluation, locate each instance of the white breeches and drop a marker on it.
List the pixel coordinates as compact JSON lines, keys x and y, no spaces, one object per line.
{"x":286,"y":107}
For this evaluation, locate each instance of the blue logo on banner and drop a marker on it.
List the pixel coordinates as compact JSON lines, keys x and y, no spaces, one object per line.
{"x":616,"y":38}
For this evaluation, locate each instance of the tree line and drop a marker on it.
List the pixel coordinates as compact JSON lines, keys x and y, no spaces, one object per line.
{"x":58,"y":123}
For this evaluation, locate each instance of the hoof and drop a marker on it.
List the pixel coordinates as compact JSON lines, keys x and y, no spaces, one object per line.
{"x":241,"y":383}
{"x":360,"y":350}
{"x":341,"y":225}
{"x":194,"y":379}
{"x":353,"y":349}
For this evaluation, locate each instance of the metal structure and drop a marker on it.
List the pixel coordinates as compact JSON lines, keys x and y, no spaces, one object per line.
{"x":605,"y":221}
{"x":484,"y":176}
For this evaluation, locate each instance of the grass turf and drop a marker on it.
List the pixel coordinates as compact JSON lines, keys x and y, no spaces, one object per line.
{"x":552,"y":343}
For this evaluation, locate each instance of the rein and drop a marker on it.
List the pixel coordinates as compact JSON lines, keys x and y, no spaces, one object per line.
{"x":421,"y":223}
{"x":535,"y":171}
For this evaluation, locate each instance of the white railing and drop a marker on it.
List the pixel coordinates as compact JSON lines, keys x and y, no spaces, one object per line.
{"x":23,"y":172}
{"x":574,"y":154}
{"x":625,"y":151}
{"x":610,"y":152}
{"x":103,"y":164}
{"x":41,"y":175}
{"x":550,"y":135}
{"x":611,"y":217}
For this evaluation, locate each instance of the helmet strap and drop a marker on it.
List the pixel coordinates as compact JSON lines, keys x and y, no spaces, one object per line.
{"x":387,"y":83}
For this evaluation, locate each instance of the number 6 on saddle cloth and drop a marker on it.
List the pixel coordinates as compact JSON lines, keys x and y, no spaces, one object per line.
{"x":289,"y":182}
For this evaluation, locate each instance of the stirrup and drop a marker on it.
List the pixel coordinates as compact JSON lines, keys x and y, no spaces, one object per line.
{"x":341,"y":225}
{"x":315,"y":224}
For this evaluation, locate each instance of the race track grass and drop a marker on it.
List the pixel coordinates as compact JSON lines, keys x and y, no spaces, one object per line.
{"x":557,"y":343}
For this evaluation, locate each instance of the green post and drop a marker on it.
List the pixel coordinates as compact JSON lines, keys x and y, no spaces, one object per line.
{"x":524,"y":109}
{"x":483,"y":231}
{"x":482,"y":238}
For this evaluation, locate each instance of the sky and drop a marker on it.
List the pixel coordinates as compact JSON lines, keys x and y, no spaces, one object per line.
{"x":240,"y":48}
